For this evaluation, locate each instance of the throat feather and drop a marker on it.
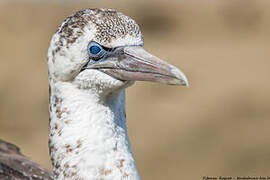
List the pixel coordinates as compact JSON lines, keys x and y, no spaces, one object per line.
{"x":88,"y":135}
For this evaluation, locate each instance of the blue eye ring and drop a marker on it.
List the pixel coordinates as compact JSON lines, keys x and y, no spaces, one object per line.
{"x":95,"y":50}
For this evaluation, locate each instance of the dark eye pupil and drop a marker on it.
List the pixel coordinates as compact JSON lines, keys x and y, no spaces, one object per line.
{"x":95,"y":49}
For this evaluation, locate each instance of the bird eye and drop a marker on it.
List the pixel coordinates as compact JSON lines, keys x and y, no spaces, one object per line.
{"x":95,"y":51}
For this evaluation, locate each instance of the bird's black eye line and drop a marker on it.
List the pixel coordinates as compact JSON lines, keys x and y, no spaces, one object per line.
{"x":107,"y":49}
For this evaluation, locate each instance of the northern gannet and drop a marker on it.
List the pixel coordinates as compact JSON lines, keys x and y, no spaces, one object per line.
{"x":93,"y":57}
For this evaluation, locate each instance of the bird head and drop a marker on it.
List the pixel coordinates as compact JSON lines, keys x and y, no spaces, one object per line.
{"x":103,"y":48}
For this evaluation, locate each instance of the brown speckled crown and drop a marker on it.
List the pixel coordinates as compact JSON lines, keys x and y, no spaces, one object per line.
{"x":110,"y":25}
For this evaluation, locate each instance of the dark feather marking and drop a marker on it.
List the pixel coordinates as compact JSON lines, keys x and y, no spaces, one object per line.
{"x":110,"y":25}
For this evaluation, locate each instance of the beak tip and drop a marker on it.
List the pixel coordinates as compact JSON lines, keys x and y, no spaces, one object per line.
{"x":180,"y":76}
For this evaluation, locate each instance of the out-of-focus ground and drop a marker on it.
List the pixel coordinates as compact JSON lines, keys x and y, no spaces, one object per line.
{"x":218,"y":126}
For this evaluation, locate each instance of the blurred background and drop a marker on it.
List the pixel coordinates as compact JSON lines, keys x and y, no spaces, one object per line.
{"x":217,"y":126}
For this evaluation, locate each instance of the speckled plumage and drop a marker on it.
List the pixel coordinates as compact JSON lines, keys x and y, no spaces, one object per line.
{"x":105,"y":26}
{"x":88,"y":137}
{"x":110,"y":25}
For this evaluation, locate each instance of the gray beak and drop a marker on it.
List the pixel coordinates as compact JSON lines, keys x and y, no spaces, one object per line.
{"x":136,"y":64}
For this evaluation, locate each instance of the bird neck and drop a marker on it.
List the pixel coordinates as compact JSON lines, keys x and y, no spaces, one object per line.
{"x":88,"y":135}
